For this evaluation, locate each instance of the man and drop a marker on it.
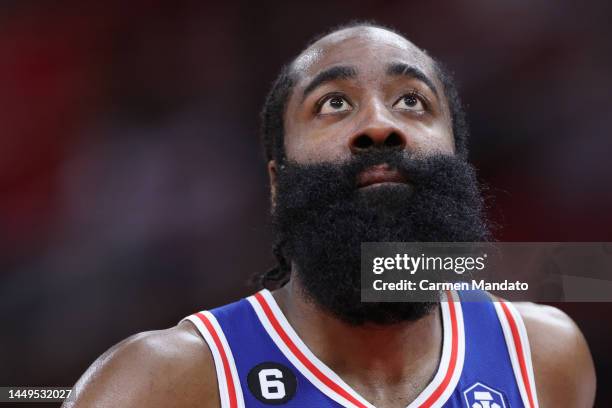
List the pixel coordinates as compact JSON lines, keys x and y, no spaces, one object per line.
{"x":366,"y":142}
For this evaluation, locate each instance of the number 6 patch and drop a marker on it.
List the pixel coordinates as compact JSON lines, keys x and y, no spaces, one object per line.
{"x":272,"y":383}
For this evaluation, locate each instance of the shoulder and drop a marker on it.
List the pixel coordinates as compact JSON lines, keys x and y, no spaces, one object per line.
{"x":563,"y":366}
{"x":172,"y":367}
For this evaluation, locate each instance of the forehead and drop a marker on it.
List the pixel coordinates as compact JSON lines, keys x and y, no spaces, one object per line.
{"x":368,"y":49}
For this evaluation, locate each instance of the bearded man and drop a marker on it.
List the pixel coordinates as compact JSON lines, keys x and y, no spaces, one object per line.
{"x":366,"y":142}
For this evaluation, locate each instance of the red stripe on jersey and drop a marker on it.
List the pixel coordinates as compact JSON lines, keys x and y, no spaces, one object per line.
{"x":231,"y":390}
{"x":519,"y":351}
{"x":300,"y":356}
{"x":453,"y":358}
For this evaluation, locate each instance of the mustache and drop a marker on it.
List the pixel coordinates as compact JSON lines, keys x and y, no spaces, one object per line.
{"x":335,"y":181}
{"x":395,"y":159}
{"x":414,"y":166}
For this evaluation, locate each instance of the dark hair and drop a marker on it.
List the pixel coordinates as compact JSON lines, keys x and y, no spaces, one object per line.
{"x":272,"y":127}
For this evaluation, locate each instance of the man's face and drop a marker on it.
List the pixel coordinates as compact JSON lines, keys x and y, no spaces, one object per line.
{"x":369,"y":157}
{"x":363,"y":87}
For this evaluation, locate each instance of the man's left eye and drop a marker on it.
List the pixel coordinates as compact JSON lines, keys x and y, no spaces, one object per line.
{"x":410,"y":102}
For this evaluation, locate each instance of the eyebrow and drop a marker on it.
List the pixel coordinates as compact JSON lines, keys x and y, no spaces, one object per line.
{"x":328,"y":75}
{"x":401,"y":69}
{"x":347,"y":72}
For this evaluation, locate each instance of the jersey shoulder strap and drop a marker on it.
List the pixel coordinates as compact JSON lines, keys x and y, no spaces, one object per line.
{"x":498,"y":365}
{"x":228,"y":380}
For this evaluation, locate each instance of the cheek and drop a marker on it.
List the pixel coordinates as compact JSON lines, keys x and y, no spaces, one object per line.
{"x":309,"y":144}
{"x":429,"y":139}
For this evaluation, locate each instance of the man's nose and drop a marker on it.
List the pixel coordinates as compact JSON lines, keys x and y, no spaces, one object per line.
{"x":379,"y":129}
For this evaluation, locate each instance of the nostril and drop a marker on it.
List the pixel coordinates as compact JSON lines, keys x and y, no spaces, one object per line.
{"x":363,"y":142}
{"x":394,"y":140}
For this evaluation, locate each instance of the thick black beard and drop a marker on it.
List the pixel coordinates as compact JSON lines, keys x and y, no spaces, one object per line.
{"x":321,"y":218}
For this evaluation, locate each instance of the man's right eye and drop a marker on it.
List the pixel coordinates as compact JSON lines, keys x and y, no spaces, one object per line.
{"x":334,"y":104}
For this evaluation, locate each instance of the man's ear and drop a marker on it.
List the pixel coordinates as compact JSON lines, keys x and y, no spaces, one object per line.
{"x":272,"y":177}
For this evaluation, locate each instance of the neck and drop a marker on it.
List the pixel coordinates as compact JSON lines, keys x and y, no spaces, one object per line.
{"x":370,"y":354}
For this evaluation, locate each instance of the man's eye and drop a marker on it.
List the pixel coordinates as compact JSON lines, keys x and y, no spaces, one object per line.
{"x":410,"y":102}
{"x":334,"y":104}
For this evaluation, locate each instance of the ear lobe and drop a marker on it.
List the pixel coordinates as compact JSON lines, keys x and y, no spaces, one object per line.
{"x":272,"y":177}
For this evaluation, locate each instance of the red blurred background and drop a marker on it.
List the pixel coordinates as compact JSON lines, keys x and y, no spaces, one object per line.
{"x":133,"y":190}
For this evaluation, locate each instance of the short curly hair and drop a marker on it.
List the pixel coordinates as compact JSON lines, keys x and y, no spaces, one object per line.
{"x":273,"y":112}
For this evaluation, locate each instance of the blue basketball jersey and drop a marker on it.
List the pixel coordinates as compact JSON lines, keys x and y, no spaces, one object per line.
{"x":260,"y":360}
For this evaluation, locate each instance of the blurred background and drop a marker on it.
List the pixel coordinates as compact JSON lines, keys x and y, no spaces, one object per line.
{"x":133,"y":189}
